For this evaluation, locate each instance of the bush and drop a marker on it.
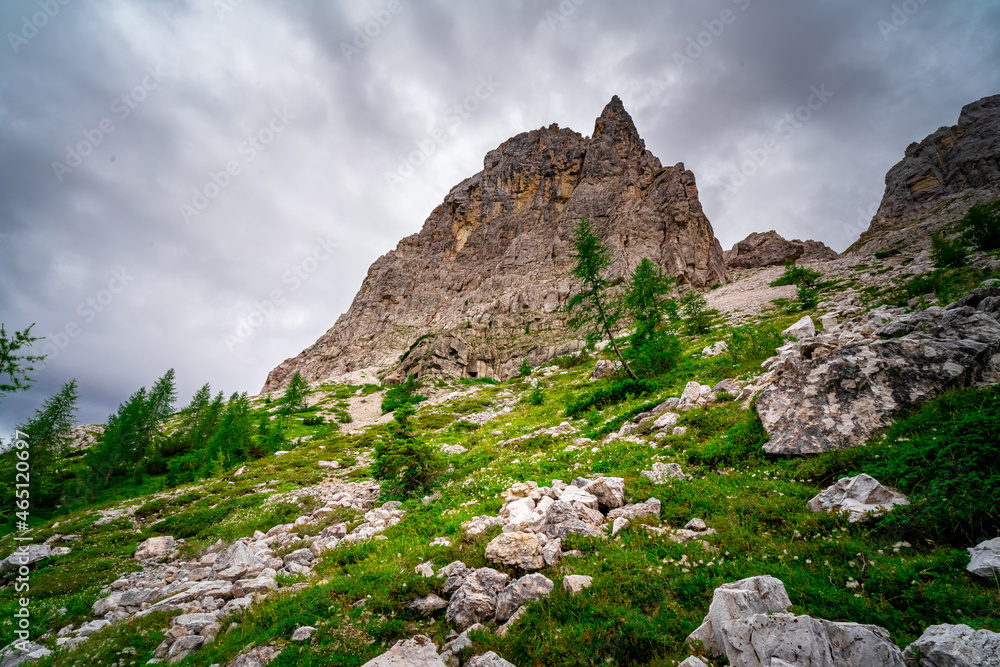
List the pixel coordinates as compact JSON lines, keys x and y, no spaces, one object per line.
{"x":694,"y":310}
{"x":402,"y":394}
{"x":947,"y":254}
{"x":404,"y":463}
{"x":753,"y":343}
{"x":797,"y":275}
{"x":742,"y":443}
{"x":525,"y":369}
{"x":982,"y":226}
{"x":313,"y":421}
{"x":946,"y":458}
{"x":571,"y":361}
{"x":536,"y":397}
{"x":611,"y":395}
{"x":653,"y":353}
{"x":808,"y":297}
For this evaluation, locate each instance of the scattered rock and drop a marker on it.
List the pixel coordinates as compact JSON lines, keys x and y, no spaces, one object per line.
{"x":954,"y":646}
{"x":575,"y":583}
{"x":489,"y":659}
{"x":454,"y":449}
{"x":11,"y":655}
{"x":858,"y":496}
{"x":26,"y":555}
{"x":426,"y":606}
{"x":985,"y":559}
{"x":663,"y":472}
{"x":520,"y":550}
{"x":836,"y":390}
{"x":418,"y":651}
{"x":804,"y":328}
{"x":715,"y":349}
{"x":529,"y":588}
{"x":303,"y":633}
{"x":605,"y":368}
{"x":425,"y":569}
{"x":475,"y":599}
{"x":330,"y":465}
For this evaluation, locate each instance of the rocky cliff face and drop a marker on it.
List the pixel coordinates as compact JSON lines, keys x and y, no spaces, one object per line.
{"x":939,"y":179}
{"x":770,"y":248}
{"x":486,"y":280}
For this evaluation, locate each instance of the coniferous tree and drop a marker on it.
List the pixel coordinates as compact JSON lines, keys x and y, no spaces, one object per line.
{"x":233,"y":438}
{"x":653,"y":349}
{"x":596,"y":311}
{"x":295,"y":394}
{"x":49,"y":434}
{"x":13,"y":364}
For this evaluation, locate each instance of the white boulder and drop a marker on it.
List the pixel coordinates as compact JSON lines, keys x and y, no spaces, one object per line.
{"x":858,"y":496}
{"x":985,"y":559}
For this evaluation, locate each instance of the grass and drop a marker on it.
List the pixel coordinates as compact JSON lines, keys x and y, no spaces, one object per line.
{"x":648,"y":591}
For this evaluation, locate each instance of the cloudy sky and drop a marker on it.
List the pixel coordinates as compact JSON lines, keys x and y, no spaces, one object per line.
{"x":202,"y":184}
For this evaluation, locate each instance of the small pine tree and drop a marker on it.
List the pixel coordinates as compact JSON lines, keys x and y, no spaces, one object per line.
{"x":13,"y":364}
{"x":981,"y":226}
{"x":49,"y":434}
{"x":404,"y":463}
{"x":595,"y":310}
{"x":947,"y":254}
{"x":295,"y":394}
{"x":525,"y":369}
{"x":694,"y":309}
{"x":536,"y":397}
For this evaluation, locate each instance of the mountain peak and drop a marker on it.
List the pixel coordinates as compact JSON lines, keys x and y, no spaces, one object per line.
{"x":616,"y":124}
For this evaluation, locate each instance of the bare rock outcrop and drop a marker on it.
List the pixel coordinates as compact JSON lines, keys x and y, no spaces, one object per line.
{"x":494,"y":257}
{"x":747,"y":623}
{"x":942,"y":169}
{"x":836,"y":390}
{"x":770,"y":248}
{"x":954,"y":646}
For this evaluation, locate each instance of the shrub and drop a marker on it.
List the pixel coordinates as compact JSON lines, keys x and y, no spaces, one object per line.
{"x":536,"y":397}
{"x":753,"y":342}
{"x":402,"y":394}
{"x":742,"y":443}
{"x":694,"y":310}
{"x":946,"y":458}
{"x":797,"y":275}
{"x":808,"y":297}
{"x":653,"y":352}
{"x":946,"y":254}
{"x":616,"y":393}
{"x":525,"y":369}
{"x":313,"y":421}
{"x":571,"y":361}
{"x":403,"y":462}
{"x":982,"y":226}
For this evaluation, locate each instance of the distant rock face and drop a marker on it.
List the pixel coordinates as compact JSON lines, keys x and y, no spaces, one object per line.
{"x":951,"y":161}
{"x":770,"y":248}
{"x":492,"y":262}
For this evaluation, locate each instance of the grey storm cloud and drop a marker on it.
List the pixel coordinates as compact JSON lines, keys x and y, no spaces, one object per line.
{"x":202,"y":185}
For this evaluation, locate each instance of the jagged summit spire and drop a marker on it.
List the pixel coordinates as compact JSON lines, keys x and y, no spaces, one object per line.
{"x":616,"y":123}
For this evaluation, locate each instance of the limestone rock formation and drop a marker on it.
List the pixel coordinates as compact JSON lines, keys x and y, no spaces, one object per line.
{"x":770,"y":248}
{"x":984,"y":559}
{"x":746,"y":623}
{"x":954,"y":646}
{"x":938,"y":174}
{"x":835,"y":390}
{"x":494,"y":257}
{"x":857,"y":496}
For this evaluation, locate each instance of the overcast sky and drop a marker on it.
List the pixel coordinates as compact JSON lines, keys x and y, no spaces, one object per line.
{"x":127,"y":242}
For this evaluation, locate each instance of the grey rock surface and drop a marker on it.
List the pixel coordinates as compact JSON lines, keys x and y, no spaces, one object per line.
{"x":770,"y":248}
{"x":954,"y":646}
{"x":834,"y":391}
{"x":858,"y":496}
{"x":985,"y":559}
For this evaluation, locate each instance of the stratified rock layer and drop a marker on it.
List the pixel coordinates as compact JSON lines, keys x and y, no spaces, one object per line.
{"x":494,"y":258}
{"x":929,"y":185}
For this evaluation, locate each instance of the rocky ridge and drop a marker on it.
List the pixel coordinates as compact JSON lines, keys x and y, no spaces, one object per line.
{"x":493,"y":260}
{"x":770,"y":248}
{"x":939,"y":178}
